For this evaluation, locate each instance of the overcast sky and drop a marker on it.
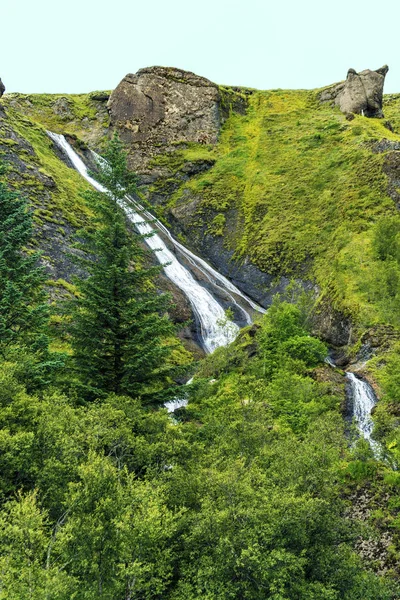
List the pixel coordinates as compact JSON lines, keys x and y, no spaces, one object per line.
{"x":84,"y":45}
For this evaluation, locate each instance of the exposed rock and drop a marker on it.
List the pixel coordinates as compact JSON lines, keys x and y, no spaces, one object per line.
{"x":361,"y":93}
{"x":378,"y":338}
{"x":335,"y":329}
{"x":388,"y":125}
{"x":391,"y":166}
{"x":376,"y":539}
{"x":260,"y":286}
{"x":2,"y":88}
{"x":62,"y":108}
{"x":158,"y":108}
{"x":99,"y":96}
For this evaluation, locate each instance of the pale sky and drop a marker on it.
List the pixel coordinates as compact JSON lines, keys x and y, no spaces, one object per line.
{"x":84,"y":45}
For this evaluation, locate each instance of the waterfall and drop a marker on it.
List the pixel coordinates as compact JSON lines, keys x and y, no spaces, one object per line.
{"x":214,"y":329}
{"x":364,"y":401}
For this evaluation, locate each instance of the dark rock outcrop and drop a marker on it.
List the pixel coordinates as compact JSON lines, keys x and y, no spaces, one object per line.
{"x":2,"y":88}
{"x":159,"y":108}
{"x":99,"y":96}
{"x":62,"y":108}
{"x":361,"y":93}
{"x":390,"y":166}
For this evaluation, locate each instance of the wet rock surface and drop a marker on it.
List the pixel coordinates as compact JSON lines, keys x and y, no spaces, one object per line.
{"x":334,"y":328}
{"x":55,"y":235}
{"x":247,"y":277}
{"x":361,"y":93}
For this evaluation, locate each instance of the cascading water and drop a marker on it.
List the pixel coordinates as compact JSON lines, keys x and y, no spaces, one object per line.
{"x":364,"y":401}
{"x":214,"y":330}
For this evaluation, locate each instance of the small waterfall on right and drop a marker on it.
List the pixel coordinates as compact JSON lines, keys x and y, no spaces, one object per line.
{"x":364,"y":401}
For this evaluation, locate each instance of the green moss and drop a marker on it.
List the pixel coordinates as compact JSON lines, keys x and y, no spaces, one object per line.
{"x":64,"y":285}
{"x":391,"y":110}
{"x":185,"y":152}
{"x":217,"y":225}
{"x":305,"y":190}
{"x":82,"y":115}
{"x":65,"y":198}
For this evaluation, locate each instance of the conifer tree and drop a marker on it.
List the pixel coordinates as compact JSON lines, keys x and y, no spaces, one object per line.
{"x":23,"y":308}
{"x":119,"y":329}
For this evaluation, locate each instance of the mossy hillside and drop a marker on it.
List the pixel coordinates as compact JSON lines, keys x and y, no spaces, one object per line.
{"x":83,"y":115}
{"x":62,"y":202}
{"x":391,"y":109}
{"x":305,"y":187}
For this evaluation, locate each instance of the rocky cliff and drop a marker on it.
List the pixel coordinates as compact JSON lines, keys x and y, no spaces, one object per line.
{"x":361,"y":93}
{"x":158,"y":108}
{"x":268,"y":186}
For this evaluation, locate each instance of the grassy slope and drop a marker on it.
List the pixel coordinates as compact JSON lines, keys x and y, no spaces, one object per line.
{"x":53,"y":189}
{"x":306,"y":189}
{"x":79,"y":114}
{"x":303,"y":182}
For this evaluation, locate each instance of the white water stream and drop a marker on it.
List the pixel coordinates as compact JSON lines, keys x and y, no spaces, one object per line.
{"x":364,"y":401}
{"x":214,"y":329}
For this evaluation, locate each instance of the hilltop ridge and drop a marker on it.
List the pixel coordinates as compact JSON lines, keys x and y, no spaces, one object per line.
{"x":267,"y":185}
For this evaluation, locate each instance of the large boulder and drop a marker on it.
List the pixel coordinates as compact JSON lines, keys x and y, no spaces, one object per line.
{"x":2,"y":88}
{"x":361,"y":93}
{"x":158,"y":108}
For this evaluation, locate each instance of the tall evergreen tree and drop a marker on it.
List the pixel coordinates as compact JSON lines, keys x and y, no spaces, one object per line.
{"x":119,"y":329}
{"x":23,"y":308}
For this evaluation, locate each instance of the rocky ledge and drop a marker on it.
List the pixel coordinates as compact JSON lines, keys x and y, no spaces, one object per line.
{"x":158,"y":108}
{"x":360,"y":94}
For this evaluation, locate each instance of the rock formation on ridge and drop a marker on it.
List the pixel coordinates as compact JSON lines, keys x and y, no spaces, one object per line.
{"x":159,"y":107}
{"x":361,"y":93}
{"x":2,"y":88}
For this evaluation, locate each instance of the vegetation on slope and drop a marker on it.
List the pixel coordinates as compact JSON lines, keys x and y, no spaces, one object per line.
{"x":54,"y":189}
{"x":297,"y":188}
{"x":83,"y":115}
{"x":241,"y":497}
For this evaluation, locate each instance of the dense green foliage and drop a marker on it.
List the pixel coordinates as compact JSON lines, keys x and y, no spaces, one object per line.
{"x":241,"y":499}
{"x":118,"y":333}
{"x":245,"y":493}
{"x":24,"y":311}
{"x":22,"y":306}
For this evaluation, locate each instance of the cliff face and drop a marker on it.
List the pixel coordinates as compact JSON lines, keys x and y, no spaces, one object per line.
{"x":54,"y":190}
{"x":159,"y":108}
{"x":268,"y":186}
{"x":361,"y":93}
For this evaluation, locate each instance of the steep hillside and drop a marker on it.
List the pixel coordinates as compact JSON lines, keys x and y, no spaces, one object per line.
{"x":268,"y":186}
{"x":290,"y":187}
{"x":295,"y":190}
{"x":259,"y":484}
